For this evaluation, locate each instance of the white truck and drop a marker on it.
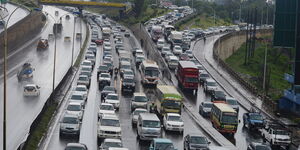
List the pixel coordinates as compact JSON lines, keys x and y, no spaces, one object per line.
{"x":276,"y":135}
{"x":106,"y":31}
{"x":156,"y":32}
{"x":175,"y":38}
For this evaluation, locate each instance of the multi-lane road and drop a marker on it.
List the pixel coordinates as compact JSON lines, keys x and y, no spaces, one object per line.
{"x":21,"y":111}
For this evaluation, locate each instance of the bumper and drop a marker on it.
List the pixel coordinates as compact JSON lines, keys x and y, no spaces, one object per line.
{"x":148,"y":136}
{"x":128,"y":88}
{"x":69,"y":132}
{"x":282,"y":143}
{"x":171,"y":128}
{"x":104,"y":135}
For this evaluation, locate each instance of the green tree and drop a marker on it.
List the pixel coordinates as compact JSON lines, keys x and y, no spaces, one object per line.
{"x":138,"y":7}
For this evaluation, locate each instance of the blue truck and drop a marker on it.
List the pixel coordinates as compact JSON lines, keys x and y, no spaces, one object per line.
{"x":253,"y":120}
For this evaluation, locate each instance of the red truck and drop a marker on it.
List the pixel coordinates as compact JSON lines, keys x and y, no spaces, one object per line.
{"x":187,"y":74}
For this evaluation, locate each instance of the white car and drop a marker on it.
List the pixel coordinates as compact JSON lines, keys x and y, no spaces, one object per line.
{"x":173,"y":122}
{"x":83,"y":80}
{"x":109,"y":126}
{"x":110,"y":143}
{"x":135,"y":114}
{"x":139,"y":100}
{"x":87,"y":63}
{"x":128,"y":73}
{"x":210,"y":85}
{"x":31,"y":90}
{"x":177,"y":50}
{"x":233,"y":103}
{"x":77,"y":97}
{"x":82,"y":89}
{"x":75,"y":108}
{"x":189,"y":53}
{"x":113,"y":98}
{"x":106,"y":108}
{"x":69,"y":125}
{"x":160,"y":43}
{"x":104,"y":78}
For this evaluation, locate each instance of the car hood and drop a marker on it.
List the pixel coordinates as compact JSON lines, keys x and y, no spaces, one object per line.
{"x":198,"y":145}
{"x":112,"y":101}
{"x":175,"y":123}
{"x":106,"y":111}
{"x":207,"y":109}
{"x":110,"y":128}
{"x":69,"y":126}
{"x":74,"y":112}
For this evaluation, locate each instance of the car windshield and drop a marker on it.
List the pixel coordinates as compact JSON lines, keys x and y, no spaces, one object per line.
{"x":70,"y":120}
{"x":110,"y":122}
{"x":281,"y":132}
{"x":109,"y":88}
{"x":30,"y":88}
{"x":171,"y":104}
{"x":173,"y":61}
{"x":128,"y":80}
{"x":76,"y":97}
{"x":125,"y":67}
{"x":81,"y":89}
{"x":164,"y":146}
{"x":262,"y":147}
{"x":198,"y":140}
{"x":107,"y":107}
{"x":140,"y":99}
{"x":113,"y":144}
{"x":211,"y":84}
{"x":232,"y":102}
{"x":190,"y":79}
{"x":188,"y":52}
{"x":152,"y":72}
{"x":128,"y":72}
{"x":83,"y":78}
{"x":174,"y":118}
{"x":112,"y":97}
{"x":151,"y":124}
{"x":229,"y":119}
{"x":220,"y":93}
{"x":256,"y":117}
{"x":207,"y":105}
{"x":75,"y":148}
{"x":104,"y":75}
{"x":137,"y":112}
{"x":204,"y":75}
{"x":74,"y":108}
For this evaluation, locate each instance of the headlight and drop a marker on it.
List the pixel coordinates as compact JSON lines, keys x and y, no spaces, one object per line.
{"x":168,"y":124}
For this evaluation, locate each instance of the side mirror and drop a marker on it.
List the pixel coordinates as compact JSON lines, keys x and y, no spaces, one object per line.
{"x":239,"y":121}
{"x":161,"y":126}
{"x":151,"y":148}
{"x":208,"y":143}
{"x":140,"y":125}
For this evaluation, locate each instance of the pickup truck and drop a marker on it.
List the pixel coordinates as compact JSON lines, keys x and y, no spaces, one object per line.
{"x":276,"y":135}
{"x":253,"y":120}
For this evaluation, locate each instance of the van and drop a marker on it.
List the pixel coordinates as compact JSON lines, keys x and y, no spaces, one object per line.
{"x":173,"y":62}
{"x":139,"y":100}
{"x":148,"y":126}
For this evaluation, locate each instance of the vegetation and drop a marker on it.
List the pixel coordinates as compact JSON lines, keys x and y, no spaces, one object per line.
{"x":28,"y":3}
{"x":278,"y":63}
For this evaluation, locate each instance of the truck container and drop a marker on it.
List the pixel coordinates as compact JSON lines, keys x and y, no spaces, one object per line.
{"x":187,"y":74}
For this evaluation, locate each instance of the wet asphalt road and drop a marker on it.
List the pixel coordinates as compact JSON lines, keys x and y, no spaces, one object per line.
{"x":21,"y":111}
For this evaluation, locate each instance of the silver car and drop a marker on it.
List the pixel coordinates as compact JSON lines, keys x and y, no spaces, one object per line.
{"x":70,"y":125}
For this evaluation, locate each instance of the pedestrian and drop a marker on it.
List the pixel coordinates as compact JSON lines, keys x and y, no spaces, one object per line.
{"x":142,"y":43}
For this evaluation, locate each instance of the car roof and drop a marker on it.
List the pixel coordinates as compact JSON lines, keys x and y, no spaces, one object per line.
{"x":162,"y":140}
{"x":149,"y":116}
{"x":76,"y":93}
{"x":80,"y":85}
{"x":74,"y":103}
{"x":70,"y":115}
{"x":139,"y":94}
{"x":210,"y":80}
{"x":106,"y":104}
{"x":112,"y":140}
{"x":140,"y":109}
{"x":172,"y":114}
{"x":28,"y":85}
{"x":112,"y":94}
{"x":76,"y":145}
{"x":110,"y":116}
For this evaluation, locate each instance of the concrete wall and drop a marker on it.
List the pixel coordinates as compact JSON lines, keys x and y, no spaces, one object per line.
{"x":233,"y":41}
{"x":22,"y":32}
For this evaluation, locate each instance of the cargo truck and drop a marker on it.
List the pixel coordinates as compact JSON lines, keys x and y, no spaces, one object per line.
{"x":187,"y":74}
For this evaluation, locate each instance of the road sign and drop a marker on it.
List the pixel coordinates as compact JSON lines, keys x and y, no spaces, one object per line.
{"x":285,"y":23}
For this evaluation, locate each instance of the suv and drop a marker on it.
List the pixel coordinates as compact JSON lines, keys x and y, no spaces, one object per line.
{"x":139,"y":100}
{"x":192,"y":141}
{"x":104,"y":79}
{"x":276,"y":134}
{"x":218,"y":96}
{"x":233,"y":103}
{"x":109,"y":126}
{"x":128,"y":85}
{"x":161,"y":144}
{"x":69,"y":125}
{"x":203,"y":77}
{"x":77,"y":146}
{"x":253,"y":120}
{"x":209,"y":86}
{"x":102,"y":69}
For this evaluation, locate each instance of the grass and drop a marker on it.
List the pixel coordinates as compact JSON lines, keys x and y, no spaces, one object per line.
{"x":202,"y":21}
{"x":35,"y":137}
{"x":80,"y":55}
{"x":278,"y":61}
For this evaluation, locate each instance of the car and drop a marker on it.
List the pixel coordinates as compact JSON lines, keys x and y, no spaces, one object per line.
{"x":189,"y":53}
{"x":87,"y":68}
{"x":205,"y":108}
{"x":109,"y":65}
{"x":233,"y":103}
{"x":106,"y":90}
{"x":202,"y":77}
{"x":127,"y":34}
{"x":69,"y":125}
{"x":98,"y":41}
{"x":124,"y":65}
{"x":83,"y":80}
{"x":113,"y":98}
{"x":78,"y":97}
{"x":139,"y":59}
{"x":184,"y":57}
{"x":109,"y":126}
{"x":87,"y":63}
{"x":161,"y":144}
{"x":139,"y":100}
{"x":75,"y":108}
{"x":106,"y":108}
{"x":164,"y":50}
{"x":76,"y":146}
{"x":209,"y":86}
{"x":139,"y":52}
{"x":128,"y":73}
{"x":135,"y":114}
{"x":31,"y":90}
{"x":177,"y":50}
{"x":82,"y":89}
{"x":218,"y":96}
{"x":195,"y":141}
{"x":110,"y":143}
{"x":253,"y":121}
{"x":102,"y":69}
{"x":87,"y":73}
{"x":133,"y":50}
{"x":160,"y":43}
{"x":128,"y":85}
{"x":258,"y":146}
{"x":104,"y":80}
{"x":173,"y":122}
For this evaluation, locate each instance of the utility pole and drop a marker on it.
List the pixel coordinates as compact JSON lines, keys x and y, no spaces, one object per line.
{"x":254,"y":33}
{"x":247,"y":39}
{"x":267,"y":18}
{"x":265,"y":67}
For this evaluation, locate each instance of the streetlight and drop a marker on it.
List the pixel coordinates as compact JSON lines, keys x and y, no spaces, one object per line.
{"x":4,"y":76}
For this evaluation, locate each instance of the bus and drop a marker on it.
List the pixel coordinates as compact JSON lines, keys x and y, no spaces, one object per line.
{"x":149,"y":72}
{"x":156,"y":32}
{"x":169,"y":100}
{"x":224,"y":118}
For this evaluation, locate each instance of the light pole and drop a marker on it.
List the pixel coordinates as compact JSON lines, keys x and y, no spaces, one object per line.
{"x":4,"y":76}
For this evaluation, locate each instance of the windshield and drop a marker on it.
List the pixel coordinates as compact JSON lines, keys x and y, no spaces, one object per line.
{"x":211,"y":84}
{"x":107,"y":107}
{"x":110,"y":122}
{"x":128,"y":80}
{"x":256,"y":117}
{"x":151,"y":124}
{"x":190,"y":79}
{"x":173,"y":61}
{"x":171,"y":104}
{"x":160,"y":42}
{"x":83,"y":78}
{"x":177,"y":41}
{"x":76,"y":97}
{"x":128,"y":72}
{"x":137,"y":112}
{"x":198,"y":140}
{"x":75,"y":148}
{"x":281,"y":132}
{"x":229,"y":119}
{"x":219,"y":93}
{"x":164,"y":146}
{"x":70,"y":120}
{"x":174,"y":118}
{"x":262,"y":147}
{"x":74,"y":108}
{"x":140,"y":99}
{"x":151,"y":72}
{"x":208,"y":105}
{"x":105,"y":76}
{"x":113,"y":144}
{"x":112,"y":97}
{"x":80,"y":89}
{"x":109,"y":88}
{"x":125,"y":67}
{"x":232,"y":102}
{"x":204,"y":76}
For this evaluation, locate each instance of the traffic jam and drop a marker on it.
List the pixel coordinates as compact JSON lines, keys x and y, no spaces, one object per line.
{"x":121,"y":77}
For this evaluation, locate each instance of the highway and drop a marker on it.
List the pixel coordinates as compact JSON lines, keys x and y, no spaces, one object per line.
{"x":21,"y":111}
{"x":89,"y":124}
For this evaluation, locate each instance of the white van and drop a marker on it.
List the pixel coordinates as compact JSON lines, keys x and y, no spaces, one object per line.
{"x":148,"y":126}
{"x":173,"y":62}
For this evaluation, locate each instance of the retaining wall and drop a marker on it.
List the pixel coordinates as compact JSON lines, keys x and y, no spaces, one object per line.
{"x":21,"y":32}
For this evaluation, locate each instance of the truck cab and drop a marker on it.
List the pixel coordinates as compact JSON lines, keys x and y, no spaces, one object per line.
{"x":276,"y":134}
{"x":253,"y":120}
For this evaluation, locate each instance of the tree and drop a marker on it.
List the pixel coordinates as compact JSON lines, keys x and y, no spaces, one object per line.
{"x":138,"y":7}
